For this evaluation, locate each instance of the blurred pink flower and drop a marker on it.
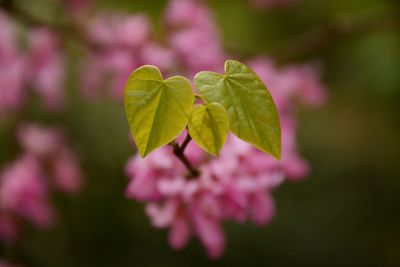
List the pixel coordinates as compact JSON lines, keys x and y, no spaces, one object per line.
{"x":197,"y":50}
{"x":113,"y":30}
{"x":302,"y":81}
{"x":154,"y":54}
{"x":50,"y":146}
{"x":132,"y":31}
{"x":8,"y":48}
{"x":198,"y":206}
{"x":12,"y":91}
{"x":12,"y":69}
{"x":40,"y":141}
{"x":105,"y":73}
{"x":66,"y":173}
{"x":193,"y":36}
{"x":47,"y":68}
{"x":47,"y":162}
{"x":23,"y":191}
{"x":181,"y":14}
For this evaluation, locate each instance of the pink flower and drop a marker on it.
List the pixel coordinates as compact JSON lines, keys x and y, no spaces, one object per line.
{"x":198,"y":50}
{"x":23,"y":191}
{"x":193,"y":36}
{"x":47,"y":68}
{"x":12,"y":69}
{"x":50,"y":146}
{"x":188,"y":14}
{"x":112,"y":29}
{"x":8,"y":47}
{"x":154,"y":54}
{"x":301,"y":81}
{"x":209,"y":231}
{"x":262,"y":208}
{"x":180,"y":232}
{"x":132,"y":31}
{"x":46,"y":162}
{"x":197,"y":207}
{"x":40,"y":141}
{"x":105,"y":73}
{"x":66,"y":173}
{"x":12,"y":91}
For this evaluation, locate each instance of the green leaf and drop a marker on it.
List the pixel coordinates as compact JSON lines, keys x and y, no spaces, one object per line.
{"x":157,"y":110}
{"x":252,"y":113}
{"x":209,"y":126}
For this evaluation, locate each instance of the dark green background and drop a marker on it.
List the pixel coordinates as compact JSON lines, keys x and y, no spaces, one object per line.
{"x":346,"y":213}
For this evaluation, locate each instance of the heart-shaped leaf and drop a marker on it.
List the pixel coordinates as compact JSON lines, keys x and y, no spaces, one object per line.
{"x":209,"y":126}
{"x":252,"y":113}
{"x":157,"y":110}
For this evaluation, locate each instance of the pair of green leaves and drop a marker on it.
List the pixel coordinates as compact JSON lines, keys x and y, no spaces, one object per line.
{"x":158,"y":110}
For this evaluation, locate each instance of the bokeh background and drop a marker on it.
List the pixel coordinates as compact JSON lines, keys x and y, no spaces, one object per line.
{"x":346,"y":213}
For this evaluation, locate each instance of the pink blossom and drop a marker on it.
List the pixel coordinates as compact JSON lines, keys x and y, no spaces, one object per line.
{"x":302,"y":81}
{"x":40,"y":141}
{"x":209,"y":232}
{"x":50,"y":146}
{"x":145,"y":186}
{"x":105,"y":73}
{"x":47,"y":68}
{"x":12,"y":69}
{"x":8,"y":48}
{"x":66,"y":173}
{"x":46,"y":162}
{"x":111,"y":30}
{"x":193,"y":36}
{"x":197,"y":207}
{"x":180,"y":232}
{"x":133,"y":31}
{"x":154,"y":54}
{"x":188,"y":14}
{"x":12,"y":91}
{"x":23,"y":190}
{"x":262,"y":208}
{"x":198,"y":50}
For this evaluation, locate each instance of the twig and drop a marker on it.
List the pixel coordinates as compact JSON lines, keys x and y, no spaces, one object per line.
{"x":179,"y":153}
{"x":185,"y":143}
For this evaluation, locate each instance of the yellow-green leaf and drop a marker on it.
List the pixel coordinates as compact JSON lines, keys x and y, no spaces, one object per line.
{"x":209,"y":126}
{"x":252,"y":113}
{"x":157,"y":110}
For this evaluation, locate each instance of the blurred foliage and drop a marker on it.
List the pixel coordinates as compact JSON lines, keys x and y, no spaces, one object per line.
{"x":345,"y":214}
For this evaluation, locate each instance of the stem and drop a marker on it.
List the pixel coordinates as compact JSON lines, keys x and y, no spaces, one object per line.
{"x":179,"y":153}
{"x":185,"y":143}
